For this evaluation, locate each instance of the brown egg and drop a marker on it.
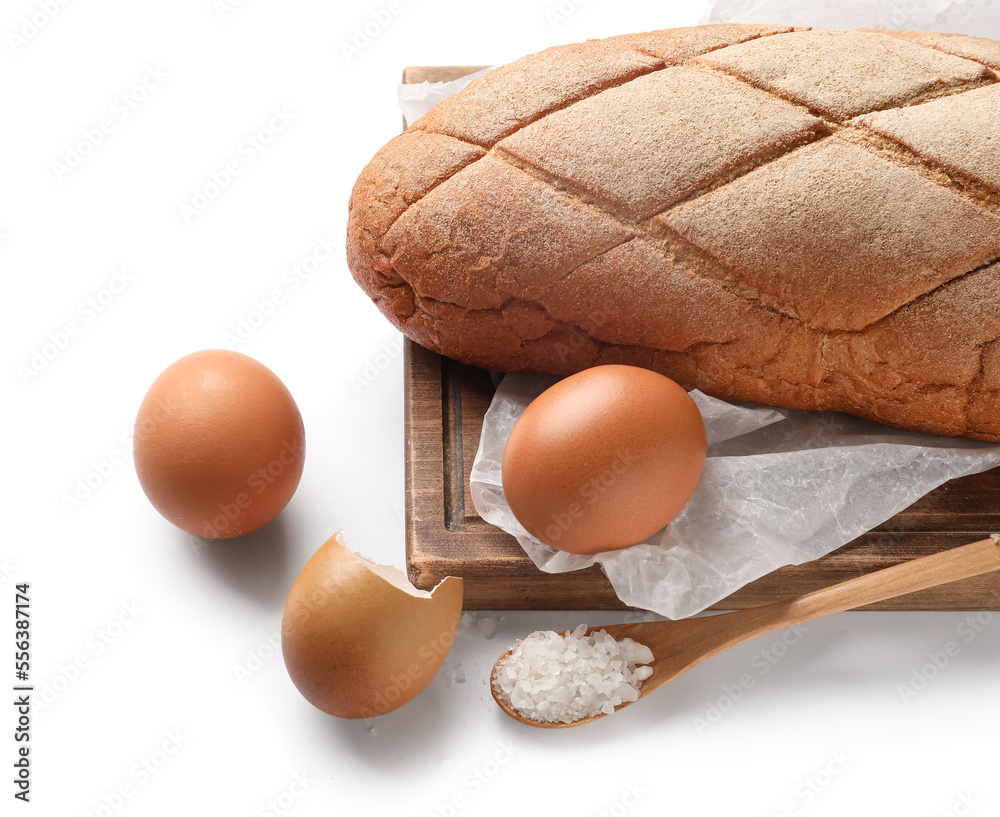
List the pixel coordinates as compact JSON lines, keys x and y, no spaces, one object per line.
{"x":219,"y":444}
{"x":358,"y":639}
{"x":603,"y":459}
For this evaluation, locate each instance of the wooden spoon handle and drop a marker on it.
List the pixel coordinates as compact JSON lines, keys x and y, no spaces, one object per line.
{"x":917,"y":574}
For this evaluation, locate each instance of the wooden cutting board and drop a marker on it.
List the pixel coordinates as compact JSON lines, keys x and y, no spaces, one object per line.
{"x":445,"y":402}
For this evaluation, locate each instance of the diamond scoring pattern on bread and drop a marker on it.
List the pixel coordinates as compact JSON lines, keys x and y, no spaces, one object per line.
{"x":465,"y":248}
{"x":711,"y":338}
{"x":841,"y":74}
{"x":960,"y":132}
{"x":543,"y":268}
{"x":416,"y":163}
{"x":507,"y":97}
{"x":633,"y":126}
{"x":977,"y":49}
{"x":675,"y":45}
{"x":843,"y":267}
{"x":512,"y":96}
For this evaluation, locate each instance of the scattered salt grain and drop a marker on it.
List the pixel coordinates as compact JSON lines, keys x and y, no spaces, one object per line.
{"x":487,"y":626}
{"x":562,"y":678}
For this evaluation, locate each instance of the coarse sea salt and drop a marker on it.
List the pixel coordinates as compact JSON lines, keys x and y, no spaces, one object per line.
{"x":562,"y":678}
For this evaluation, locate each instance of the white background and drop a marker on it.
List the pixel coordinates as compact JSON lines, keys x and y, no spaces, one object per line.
{"x":154,"y":655}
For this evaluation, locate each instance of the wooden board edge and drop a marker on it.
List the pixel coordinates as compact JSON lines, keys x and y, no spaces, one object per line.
{"x":414,"y":74}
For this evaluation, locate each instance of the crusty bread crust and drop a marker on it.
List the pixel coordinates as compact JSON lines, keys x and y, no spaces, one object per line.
{"x":802,"y":218}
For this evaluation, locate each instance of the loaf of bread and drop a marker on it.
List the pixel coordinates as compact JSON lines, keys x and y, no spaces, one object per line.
{"x":801,"y":218}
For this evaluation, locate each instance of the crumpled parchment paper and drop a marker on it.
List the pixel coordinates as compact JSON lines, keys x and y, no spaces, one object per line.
{"x":779,"y":487}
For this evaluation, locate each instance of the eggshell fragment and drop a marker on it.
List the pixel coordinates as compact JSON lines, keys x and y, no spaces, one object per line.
{"x":358,"y":639}
{"x":219,"y":444}
{"x":603,"y":459}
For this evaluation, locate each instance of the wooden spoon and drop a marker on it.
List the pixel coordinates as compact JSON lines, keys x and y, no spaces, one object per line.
{"x":679,"y":645}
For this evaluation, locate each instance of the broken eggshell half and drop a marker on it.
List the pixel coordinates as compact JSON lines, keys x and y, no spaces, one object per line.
{"x":358,"y":639}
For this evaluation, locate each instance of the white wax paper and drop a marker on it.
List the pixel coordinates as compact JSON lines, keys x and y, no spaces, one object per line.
{"x":980,"y":18}
{"x":417,"y":98}
{"x":779,"y":487}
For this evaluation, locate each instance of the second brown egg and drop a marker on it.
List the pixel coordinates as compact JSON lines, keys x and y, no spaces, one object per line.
{"x":603,"y":459}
